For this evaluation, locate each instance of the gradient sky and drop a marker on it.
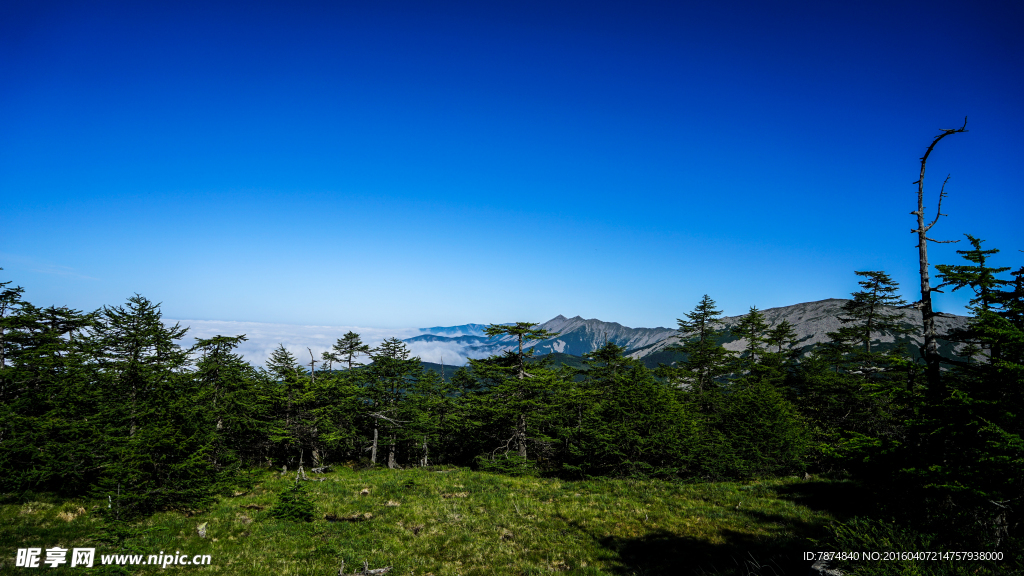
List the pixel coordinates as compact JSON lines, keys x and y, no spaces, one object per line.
{"x":396,"y":164}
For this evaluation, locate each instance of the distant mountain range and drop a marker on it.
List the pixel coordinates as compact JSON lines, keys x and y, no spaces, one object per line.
{"x":455,"y":331}
{"x":811,"y":321}
{"x":576,"y":336}
{"x":453,"y":345}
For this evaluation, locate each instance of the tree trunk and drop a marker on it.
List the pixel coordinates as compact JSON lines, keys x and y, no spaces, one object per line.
{"x":373,"y":450}
{"x":392,"y":463}
{"x":933,"y":376}
{"x":521,"y":436}
{"x":522,"y":369}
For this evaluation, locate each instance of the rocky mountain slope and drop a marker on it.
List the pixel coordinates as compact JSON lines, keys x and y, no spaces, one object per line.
{"x":812,"y":321}
{"x":577,"y":336}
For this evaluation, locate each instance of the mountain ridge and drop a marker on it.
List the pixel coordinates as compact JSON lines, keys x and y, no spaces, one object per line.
{"x":578,"y":336}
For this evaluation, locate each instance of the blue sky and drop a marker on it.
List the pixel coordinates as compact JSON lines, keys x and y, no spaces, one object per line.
{"x":395,"y":164}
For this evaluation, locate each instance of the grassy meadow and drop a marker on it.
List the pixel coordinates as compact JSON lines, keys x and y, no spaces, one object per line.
{"x":460,"y":522}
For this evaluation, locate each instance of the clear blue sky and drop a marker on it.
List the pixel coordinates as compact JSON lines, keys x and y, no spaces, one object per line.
{"x":435,"y":163}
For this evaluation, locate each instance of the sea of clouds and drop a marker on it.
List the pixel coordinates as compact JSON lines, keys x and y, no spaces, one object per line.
{"x":263,"y":338}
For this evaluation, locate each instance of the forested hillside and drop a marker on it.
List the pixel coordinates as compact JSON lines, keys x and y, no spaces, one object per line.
{"x":107,"y":404}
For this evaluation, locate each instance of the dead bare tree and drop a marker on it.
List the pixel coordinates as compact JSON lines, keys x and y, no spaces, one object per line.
{"x":377,"y":416}
{"x":312,"y":366}
{"x":936,"y":390}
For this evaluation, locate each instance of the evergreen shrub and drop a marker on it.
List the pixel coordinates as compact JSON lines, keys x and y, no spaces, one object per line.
{"x":293,"y":505}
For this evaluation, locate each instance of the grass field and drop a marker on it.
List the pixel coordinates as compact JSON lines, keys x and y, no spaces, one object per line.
{"x":461,"y":522}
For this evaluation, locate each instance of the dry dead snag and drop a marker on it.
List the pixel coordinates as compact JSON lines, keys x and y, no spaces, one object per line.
{"x":930,"y":351}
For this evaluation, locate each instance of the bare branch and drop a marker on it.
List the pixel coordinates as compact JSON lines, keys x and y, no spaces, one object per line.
{"x":383,"y":417}
{"x":941,"y":241}
{"x":938,"y":209}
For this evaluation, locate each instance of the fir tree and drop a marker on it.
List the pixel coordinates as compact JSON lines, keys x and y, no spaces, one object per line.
{"x":347,"y":348}
{"x":781,"y":337}
{"x":623,"y":422}
{"x":10,"y":301}
{"x":430,"y":409}
{"x":754,"y":328}
{"x":977,"y":275}
{"x":989,"y":295}
{"x":49,"y":436}
{"x":335,"y":404}
{"x":867,"y":312}
{"x":284,"y":365}
{"x":524,"y":332}
{"x":522,"y":395}
{"x":706,"y":359}
{"x":869,"y":315}
{"x":386,"y":382}
{"x":234,"y":401}
{"x":979,"y":423}
{"x":155,"y":436}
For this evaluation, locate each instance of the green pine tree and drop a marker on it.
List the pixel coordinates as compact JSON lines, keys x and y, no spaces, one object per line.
{"x":524,"y":332}
{"x":869,"y":315}
{"x":706,"y":361}
{"x":620,"y":421}
{"x":49,"y":435}
{"x":155,"y":436}
{"x":386,"y":383}
{"x":971,"y":485}
{"x":521,"y":397}
{"x":348,"y":348}
{"x":233,"y":398}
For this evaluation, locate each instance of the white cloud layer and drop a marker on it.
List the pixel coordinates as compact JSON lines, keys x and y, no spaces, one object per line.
{"x":263,"y":338}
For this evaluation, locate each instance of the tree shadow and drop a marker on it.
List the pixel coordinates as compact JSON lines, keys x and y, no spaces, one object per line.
{"x":739,"y":553}
{"x":842,"y":500}
{"x":661,"y":552}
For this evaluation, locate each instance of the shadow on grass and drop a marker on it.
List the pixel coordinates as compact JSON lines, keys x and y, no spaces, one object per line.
{"x":739,"y":553}
{"x":842,"y":500}
{"x":662,"y":552}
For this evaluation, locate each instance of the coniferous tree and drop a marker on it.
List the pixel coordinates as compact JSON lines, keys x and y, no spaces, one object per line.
{"x":781,"y":337}
{"x":754,"y":328}
{"x":524,"y":332}
{"x":335,"y":404}
{"x":979,"y":424}
{"x":989,"y":289}
{"x":10,"y":302}
{"x":856,"y":396}
{"x":623,"y":422}
{"x":296,"y":425}
{"x":430,"y":408}
{"x":781,"y":354}
{"x":867,"y":314}
{"x":348,"y":348}
{"x":764,"y":432}
{"x":386,"y":382}
{"x":283,"y":364}
{"x":47,"y":397}
{"x":523,"y":394}
{"x":235,"y":400}
{"x":706,"y":360}
{"x":155,"y":437}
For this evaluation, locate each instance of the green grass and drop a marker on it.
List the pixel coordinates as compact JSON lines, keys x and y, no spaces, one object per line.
{"x":466,"y":523}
